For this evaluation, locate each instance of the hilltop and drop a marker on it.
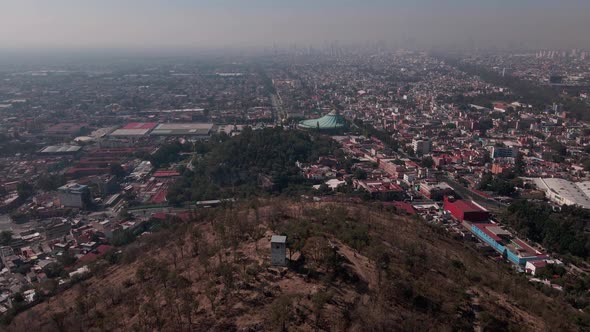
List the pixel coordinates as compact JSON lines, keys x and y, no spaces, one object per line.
{"x":354,"y":268}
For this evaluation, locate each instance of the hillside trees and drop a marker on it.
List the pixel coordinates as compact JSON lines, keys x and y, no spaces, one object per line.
{"x":238,"y":165}
{"x":563,"y":232}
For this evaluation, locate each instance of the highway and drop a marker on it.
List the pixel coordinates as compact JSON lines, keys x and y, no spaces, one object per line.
{"x":279,"y":113}
{"x":487,"y":203}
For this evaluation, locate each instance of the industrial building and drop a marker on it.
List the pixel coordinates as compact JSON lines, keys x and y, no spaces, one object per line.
{"x":511,"y":248}
{"x":60,"y":149}
{"x":465,"y":210}
{"x":203,"y":130}
{"x":65,"y":129}
{"x":564,"y":192}
{"x":134,"y":129}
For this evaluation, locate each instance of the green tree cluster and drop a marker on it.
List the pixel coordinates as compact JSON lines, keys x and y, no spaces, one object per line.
{"x":235,"y":166}
{"x":562,"y":232}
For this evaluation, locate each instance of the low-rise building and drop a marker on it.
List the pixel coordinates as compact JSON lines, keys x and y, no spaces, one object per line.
{"x":422,"y":146}
{"x":465,"y":210}
{"x":74,"y":195}
{"x":436,"y":191}
{"x":511,"y":247}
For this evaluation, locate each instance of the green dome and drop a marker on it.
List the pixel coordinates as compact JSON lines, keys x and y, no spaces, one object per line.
{"x":332,"y":120}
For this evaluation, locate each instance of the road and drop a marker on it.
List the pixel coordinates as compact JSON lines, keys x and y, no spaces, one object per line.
{"x":487,"y":203}
{"x":279,"y":113}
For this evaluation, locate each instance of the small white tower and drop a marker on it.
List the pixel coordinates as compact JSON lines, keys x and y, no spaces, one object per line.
{"x":278,"y":249}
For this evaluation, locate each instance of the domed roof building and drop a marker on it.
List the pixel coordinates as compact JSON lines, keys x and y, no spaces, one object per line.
{"x":329,"y":122}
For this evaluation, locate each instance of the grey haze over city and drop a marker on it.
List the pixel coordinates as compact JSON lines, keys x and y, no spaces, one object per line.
{"x":181,"y":24}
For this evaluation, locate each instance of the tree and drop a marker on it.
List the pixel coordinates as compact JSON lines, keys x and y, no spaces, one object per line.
{"x":53,"y":270}
{"x":562,"y":232}
{"x":360,"y":174}
{"x":124,"y":214}
{"x":319,"y":300}
{"x":49,"y":182}
{"x":280,"y":312}
{"x":226,"y":270}
{"x":166,"y":154}
{"x":66,"y":258}
{"x":113,"y":294}
{"x":519,"y":164}
{"x":211,"y":292}
{"x":486,"y":158}
{"x":485,"y":182}
{"x":59,"y":319}
{"x":24,"y":190}
{"x":317,"y":250}
{"x":5,"y":238}
{"x":557,"y":146}
{"x":486,"y":124}
{"x":261,"y":161}
{"x":117,"y":170}
{"x":427,"y":162}
{"x":382,"y":260}
{"x":123,"y":237}
{"x":189,"y":305}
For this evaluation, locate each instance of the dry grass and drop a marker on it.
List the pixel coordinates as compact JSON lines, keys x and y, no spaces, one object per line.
{"x":421,"y":288}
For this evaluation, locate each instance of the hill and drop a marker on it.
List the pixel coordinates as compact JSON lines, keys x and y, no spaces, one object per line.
{"x":242,"y":165}
{"x":354,"y":268}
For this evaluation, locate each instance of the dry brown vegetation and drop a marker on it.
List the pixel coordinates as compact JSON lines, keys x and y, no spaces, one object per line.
{"x":358,"y":268}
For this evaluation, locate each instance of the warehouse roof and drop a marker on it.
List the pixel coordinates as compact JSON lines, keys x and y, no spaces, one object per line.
{"x":135,"y":129}
{"x":466,"y":206}
{"x":568,"y":192}
{"x":61,"y":149}
{"x":140,"y":125}
{"x":200,"y":129}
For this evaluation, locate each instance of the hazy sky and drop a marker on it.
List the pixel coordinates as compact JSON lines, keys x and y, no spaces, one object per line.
{"x":220,"y":23}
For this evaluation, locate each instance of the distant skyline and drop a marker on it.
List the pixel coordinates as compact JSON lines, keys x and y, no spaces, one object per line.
{"x":199,"y":24}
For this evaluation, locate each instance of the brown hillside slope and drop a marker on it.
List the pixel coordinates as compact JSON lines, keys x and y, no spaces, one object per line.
{"x":364,"y":269}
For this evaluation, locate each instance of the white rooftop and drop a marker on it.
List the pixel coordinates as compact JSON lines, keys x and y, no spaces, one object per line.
{"x":278,"y":239}
{"x":61,"y":149}
{"x":565,"y":191}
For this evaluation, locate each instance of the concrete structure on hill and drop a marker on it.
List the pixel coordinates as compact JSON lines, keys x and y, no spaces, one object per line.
{"x":278,"y":248}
